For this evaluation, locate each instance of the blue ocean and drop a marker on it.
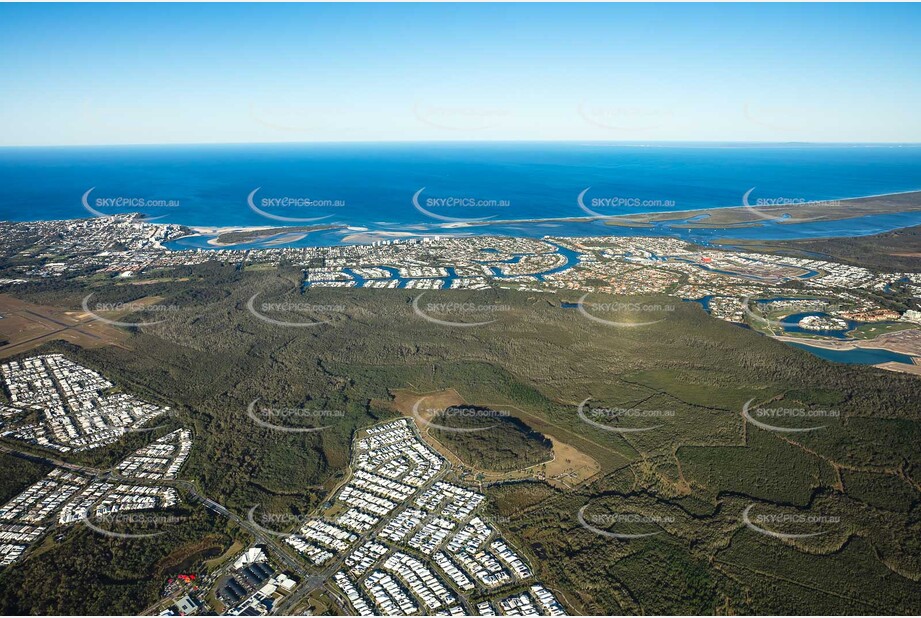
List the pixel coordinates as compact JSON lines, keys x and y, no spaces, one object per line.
{"x":364,"y":192}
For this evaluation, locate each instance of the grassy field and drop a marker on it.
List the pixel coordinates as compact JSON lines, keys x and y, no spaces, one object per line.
{"x":871,"y":331}
{"x":26,"y":326}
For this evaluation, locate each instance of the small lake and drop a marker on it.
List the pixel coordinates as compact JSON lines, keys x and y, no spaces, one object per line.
{"x":857,"y":356}
{"x":790,"y":324}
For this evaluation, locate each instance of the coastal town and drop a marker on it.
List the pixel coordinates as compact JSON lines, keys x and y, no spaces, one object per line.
{"x":54,"y":386}
{"x":402,"y":541}
{"x":401,"y":535}
{"x":827,"y":298}
{"x":79,"y":409}
{"x":461,"y":309}
{"x":397,"y":538}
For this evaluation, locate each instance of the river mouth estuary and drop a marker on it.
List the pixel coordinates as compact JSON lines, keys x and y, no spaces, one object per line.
{"x":548,"y":200}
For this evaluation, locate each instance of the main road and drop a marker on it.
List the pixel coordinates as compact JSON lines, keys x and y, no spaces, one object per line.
{"x":309,"y":582}
{"x":189,"y":487}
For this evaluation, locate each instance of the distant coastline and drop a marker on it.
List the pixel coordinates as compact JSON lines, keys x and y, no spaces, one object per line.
{"x":719,"y":221}
{"x":232,"y":195}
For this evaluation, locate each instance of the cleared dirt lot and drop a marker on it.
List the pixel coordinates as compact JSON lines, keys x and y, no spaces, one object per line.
{"x":568,"y":468}
{"x":25,"y":326}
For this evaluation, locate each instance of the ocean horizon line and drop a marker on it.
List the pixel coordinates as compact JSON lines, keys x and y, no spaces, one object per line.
{"x":462,"y":142}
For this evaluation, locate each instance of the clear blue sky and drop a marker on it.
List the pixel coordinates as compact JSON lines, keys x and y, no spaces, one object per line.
{"x":121,"y":74}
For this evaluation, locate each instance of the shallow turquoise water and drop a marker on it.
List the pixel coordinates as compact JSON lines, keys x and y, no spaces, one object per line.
{"x":371,"y":186}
